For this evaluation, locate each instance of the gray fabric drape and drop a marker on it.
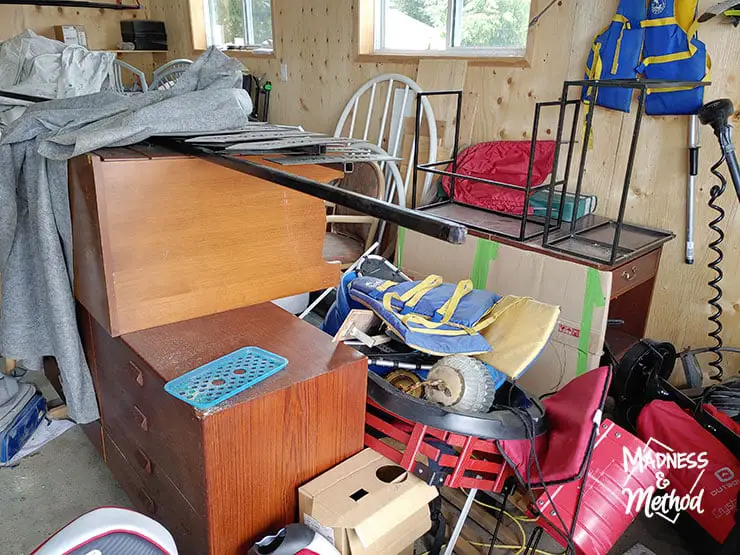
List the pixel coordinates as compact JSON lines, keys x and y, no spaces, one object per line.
{"x":37,"y":317}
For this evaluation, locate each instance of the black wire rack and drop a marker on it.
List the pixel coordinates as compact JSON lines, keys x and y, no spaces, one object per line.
{"x":602,"y":240}
{"x":515,"y":226}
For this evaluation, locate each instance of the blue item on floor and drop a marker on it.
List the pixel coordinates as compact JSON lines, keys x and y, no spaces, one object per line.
{"x":498,"y":377}
{"x":18,"y":430}
{"x":430,"y":316}
{"x":339,"y":310}
{"x":207,"y":386}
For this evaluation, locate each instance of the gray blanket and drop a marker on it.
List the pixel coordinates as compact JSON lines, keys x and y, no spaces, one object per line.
{"x":37,"y":315}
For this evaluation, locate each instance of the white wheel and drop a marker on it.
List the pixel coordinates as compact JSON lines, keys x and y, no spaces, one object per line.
{"x":467,"y":384}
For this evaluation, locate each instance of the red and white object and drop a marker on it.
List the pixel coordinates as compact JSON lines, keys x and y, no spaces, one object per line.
{"x":669,"y":429}
{"x":603,"y":516}
{"x":112,"y":531}
{"x":294,"y":539}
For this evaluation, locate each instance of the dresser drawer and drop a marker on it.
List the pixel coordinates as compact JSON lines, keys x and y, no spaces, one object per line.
{"x":634,"y":273}
{"x":134,"y":401}
{"x":158,"y":499}
{"x":153,"y":475}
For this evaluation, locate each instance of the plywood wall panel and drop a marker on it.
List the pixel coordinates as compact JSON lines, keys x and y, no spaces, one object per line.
{"x":102,"y":26}
{"x":315,"y":38}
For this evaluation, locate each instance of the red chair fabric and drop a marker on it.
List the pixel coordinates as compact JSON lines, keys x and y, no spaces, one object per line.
{"x":677,"y":430}
{"x":604,"y":514}
{"x":571,"y":413}
{"x":505,"y":162}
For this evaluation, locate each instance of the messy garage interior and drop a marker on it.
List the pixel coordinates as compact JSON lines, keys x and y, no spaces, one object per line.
{"x":369,"y":277}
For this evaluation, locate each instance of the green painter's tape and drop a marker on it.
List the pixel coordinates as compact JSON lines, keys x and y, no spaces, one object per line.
{"x":593,"y":298}
{"x":485,"y":252}
{"x":400,"y":238}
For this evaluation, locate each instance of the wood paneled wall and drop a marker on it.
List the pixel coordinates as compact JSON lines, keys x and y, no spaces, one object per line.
{"x":102,"y":26}
{"x":315,"y":38}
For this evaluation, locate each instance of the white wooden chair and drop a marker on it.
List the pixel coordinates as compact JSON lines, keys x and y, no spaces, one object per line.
{"x":118,"y":83}
{"x":165,"y":76}
{"x":385,"y":101}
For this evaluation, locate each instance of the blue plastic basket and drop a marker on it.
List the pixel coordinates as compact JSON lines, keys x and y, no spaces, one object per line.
{"x":208,"y":385}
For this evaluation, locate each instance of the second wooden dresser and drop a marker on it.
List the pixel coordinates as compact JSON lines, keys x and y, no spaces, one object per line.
{"x":222,"y":478}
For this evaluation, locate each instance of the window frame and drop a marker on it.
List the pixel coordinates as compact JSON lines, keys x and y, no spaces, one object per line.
{"x":369,"y":26}
{"x":199,"y":30}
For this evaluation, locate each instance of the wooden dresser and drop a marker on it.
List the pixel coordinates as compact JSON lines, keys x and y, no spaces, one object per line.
{"x":220,"y":479}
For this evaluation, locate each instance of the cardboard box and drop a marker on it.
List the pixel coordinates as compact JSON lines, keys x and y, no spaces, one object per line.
{"x":71,"y":34}
{"x":367,"y":505}
{"x":581,"y":292}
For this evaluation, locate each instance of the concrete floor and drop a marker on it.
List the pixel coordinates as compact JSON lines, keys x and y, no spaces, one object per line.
{"x":67,"y":478}
{"x":55,"y":485}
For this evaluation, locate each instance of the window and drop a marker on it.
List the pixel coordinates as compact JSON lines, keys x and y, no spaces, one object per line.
{"x":452,"y":27}
{"x":238,"y":23}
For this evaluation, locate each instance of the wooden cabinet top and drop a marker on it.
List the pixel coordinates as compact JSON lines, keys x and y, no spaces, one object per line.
{"x":174,"y":349}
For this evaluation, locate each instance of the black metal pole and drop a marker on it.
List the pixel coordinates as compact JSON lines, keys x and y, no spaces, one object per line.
{"x":456,"y":144}
{"x":555,"y":163}
{"x":427,"y":224}
{"x":415,"y":220}
{"x":24,"y":97}
{"x":584,"y":152}
{"x":530,"y":170}
{"x":569,"y":161}
{"x":628,"y":173}
{"x":417,"y":144}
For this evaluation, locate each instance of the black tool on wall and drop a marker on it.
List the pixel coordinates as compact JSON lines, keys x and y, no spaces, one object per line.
{"x":717,"y":114}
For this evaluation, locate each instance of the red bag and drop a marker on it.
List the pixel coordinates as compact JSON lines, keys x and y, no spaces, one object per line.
{"x":505,"y":162}
{"x":676,"y":430}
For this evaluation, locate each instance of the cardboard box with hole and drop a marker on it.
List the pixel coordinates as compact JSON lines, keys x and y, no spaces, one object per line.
{"x":367,"y":505}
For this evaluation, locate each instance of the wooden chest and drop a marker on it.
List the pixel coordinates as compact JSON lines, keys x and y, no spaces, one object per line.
{"x":160,"y":237}
{"x":220,"y":479}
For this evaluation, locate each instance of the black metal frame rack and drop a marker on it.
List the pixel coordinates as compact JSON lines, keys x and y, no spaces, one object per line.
{"x":579,"y":239}
{"x":540,"y":223}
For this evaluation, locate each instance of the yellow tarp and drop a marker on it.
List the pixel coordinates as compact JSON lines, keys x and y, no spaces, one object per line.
{"x":519,"y":332}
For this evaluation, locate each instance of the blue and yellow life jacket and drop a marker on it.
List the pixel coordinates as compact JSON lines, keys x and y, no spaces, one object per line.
{"x":431,"y":316}
{"x":657,"y":40}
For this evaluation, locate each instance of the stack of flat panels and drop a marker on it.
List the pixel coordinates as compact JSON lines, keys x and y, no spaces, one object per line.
{"x":145,"y":35}
{"x":290,"y":145}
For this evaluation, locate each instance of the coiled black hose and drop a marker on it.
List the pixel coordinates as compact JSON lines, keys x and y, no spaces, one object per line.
{"x":714,"y":195}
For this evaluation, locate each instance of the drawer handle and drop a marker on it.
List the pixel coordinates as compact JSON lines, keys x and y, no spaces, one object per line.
{"x":138,"y":374}
{"x":141,"y":419}
{"x":144,"y":461}
{"x":149,"y":506}
{"x":629,"y":275}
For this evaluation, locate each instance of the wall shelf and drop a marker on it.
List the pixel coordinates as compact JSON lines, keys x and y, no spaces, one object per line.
{"x":130,"y":51}
{"x":73,"y":4}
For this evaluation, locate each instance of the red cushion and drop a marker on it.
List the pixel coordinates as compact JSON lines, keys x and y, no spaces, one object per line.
{"x":570,"y":415}
{"x":675,"y":429}
{"x":505,"y":162}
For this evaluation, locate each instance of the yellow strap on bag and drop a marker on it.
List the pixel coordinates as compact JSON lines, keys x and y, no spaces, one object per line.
{"x":447,"y":311}
{"x":413,"y":295}
{"x":449,"y":308}
{"x":625,"y":25}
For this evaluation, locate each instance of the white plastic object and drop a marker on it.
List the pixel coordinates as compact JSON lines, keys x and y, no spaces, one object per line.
{"x":466,"y":384}
{"x":102,"y":522}
{"x":167,"y":74}
{"x":294,"y":304}
{"x":116,"y":76}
